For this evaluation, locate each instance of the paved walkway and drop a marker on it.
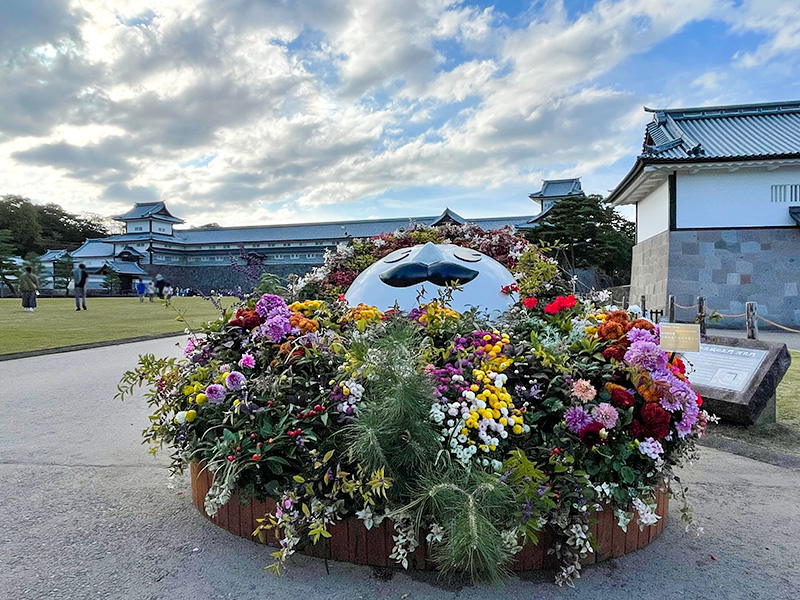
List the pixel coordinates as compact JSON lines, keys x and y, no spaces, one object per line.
{"x":85,"y":512}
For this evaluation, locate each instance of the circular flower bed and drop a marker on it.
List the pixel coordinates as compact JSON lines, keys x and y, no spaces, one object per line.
{"x":472,"y":436}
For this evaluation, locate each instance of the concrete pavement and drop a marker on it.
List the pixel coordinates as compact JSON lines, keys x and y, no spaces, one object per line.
{"x":85,"y":512}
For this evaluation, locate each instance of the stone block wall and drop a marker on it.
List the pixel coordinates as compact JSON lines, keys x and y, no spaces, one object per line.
{"x":207,"y":278}
{"x":729,"y":267}
{"x":649,"y":271}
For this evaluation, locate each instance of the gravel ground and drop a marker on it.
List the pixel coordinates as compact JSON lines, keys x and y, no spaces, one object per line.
{"x":85,"y":512}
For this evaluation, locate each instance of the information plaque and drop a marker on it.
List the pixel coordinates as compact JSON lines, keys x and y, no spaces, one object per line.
{"x":680,"y":337}
{"x":724,"y":367}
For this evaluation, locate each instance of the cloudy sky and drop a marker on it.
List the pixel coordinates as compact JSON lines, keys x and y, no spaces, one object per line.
{"x":259,"y":111}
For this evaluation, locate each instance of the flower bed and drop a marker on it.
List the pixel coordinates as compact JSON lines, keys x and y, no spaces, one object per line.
{"x":351,"y":541}
{"x":480,"y":441}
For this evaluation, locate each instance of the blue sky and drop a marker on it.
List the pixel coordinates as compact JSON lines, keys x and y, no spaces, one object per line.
{"x":265,"y":111}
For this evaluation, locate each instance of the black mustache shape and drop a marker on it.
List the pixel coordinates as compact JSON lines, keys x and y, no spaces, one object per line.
{"x":439,"y":273}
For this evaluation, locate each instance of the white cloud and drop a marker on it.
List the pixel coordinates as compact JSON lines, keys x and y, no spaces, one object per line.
{"x":278,"y":109}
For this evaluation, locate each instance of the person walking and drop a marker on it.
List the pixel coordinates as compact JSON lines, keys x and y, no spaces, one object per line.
{"x":141,"y":288}
{"x":80,"y":276}
{"x":160,"y":284}
{"x":28,"y":286}
{"x":168,"y":293}
{"x":151,"y":290}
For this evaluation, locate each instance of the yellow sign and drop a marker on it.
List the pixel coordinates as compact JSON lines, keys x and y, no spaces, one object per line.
{"x":680,"y":337}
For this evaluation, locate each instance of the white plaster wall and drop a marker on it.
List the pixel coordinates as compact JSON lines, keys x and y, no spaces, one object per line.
{"x":130,"y":226}
{"x":720,"y":198}
{"x":652,"y":216}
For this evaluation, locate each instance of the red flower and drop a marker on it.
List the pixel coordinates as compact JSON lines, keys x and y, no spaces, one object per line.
{"x":699,"y":400}
{"x":560,"y":303}
{"x":657,"y":431}
{"x":246,"y":318}
{"x":512,"y":287}
{"x":636,"y":429}
{"x":590,"y":435}
{"x":530,"y":302}
{"x":653,"y":414}
{"x":621,"y":398}
{"x":617,"y":352}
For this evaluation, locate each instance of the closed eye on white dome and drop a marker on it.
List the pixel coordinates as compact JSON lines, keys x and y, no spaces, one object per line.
{"x":467,"y":255}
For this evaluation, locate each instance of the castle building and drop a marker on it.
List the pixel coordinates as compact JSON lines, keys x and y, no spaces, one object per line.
{"x":201,"y":258}
{"x":717,"y":197}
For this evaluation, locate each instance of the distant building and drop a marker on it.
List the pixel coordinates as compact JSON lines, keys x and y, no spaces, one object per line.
{"x":201,"y":258}
{"x":552,"y":191}
{"x":717,"y":197}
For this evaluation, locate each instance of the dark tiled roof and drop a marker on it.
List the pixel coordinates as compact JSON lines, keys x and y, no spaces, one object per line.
{"x":52,"y":255}
{"x":122,"y":267}
{"x":144,"y":210}
{"x":332,"y":231}
{"x":723,"y":132}
{"x":558,"y":188}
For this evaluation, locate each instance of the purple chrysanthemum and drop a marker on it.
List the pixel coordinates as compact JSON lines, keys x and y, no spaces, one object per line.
{"x":605,"y":414}
{"x":646,"y":355}
{"x":247,"y":361}
{"x":235,"y":380}
{"x":641,"y":335}
{"x":577,"y":418}
{"x":215,"y":393}
{"x":268,"y":304}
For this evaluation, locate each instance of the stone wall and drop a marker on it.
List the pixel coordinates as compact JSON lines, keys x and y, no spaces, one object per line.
{"x":207,"y":278}
{"x":649,"y":271}
{"x":729,"y":267}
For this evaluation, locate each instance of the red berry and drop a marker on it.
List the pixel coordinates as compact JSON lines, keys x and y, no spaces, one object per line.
{"x":238,"y":448}
{"x":256,"y":457}
{"x":260,"y":445}
{"x":253,"y":435}
{"x":230,"y":458}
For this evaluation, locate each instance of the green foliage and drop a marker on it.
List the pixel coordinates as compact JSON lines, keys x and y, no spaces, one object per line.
{"x":36,"y":227}
{"x":472,"y":507}
{"x":112,"y":282}
{"x":588,"y":233}
{"x":62,"y":272}
{"x":9,"y":269}
{"x":393,"y":429}
{"x":536,"y":271}
{"x":269,"y":284}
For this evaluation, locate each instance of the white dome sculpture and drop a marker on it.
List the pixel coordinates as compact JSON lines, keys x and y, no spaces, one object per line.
{"x":400,"y":277}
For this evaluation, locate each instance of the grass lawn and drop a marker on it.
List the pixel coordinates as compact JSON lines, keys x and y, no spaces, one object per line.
{"x":784,"y":436}
{"x":55,"y":322}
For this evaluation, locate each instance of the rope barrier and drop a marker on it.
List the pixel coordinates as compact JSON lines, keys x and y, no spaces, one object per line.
{"x":686,"y":307}
{"x":777,"y":324}
{"x":720,"y":315}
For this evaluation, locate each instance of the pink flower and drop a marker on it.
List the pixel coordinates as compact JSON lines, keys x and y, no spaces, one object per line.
{"x":247,"y":361}
{"x":606,"y":414}
{"x":583,"y":390}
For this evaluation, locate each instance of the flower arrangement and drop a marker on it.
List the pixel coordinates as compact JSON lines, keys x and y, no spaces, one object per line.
{"x":471,"y":435}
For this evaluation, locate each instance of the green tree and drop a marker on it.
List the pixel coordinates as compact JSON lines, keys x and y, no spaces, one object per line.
{"x":19,"y":215}
{"x":590,"y":234}
{"x":9,"y":269}
{"x":62,"y":272}
{"x":61,"y":229}
{"x":112,"y":283}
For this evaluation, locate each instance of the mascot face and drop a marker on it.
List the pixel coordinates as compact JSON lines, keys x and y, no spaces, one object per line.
{"x":402,"y":275}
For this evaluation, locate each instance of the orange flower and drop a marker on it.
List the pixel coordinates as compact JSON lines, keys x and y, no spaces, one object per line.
{"x":304,"y":324}
{"x":620,"y":316}
{"x":610,"y":330}
{"x":640,"y":324}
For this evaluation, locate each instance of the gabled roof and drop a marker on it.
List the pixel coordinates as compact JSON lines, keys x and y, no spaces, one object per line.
{"x":448,"y":216}
{"x":52,"y":255}
{"x":729,"y":132}
{"x":711,"y":134}
{"x":121,"y":267}
{"x":94,"y":248}
{"x":558,"y":188}
{"x":131,"y":250}
{"x":149,"y":210}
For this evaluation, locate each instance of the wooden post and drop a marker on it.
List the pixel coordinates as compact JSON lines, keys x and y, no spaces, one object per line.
{"x":643,"y":304}
{"x":625,"y":301}
{"x":701,"y":314}
{"x":671,"y":309}
{"x":750,"y":320}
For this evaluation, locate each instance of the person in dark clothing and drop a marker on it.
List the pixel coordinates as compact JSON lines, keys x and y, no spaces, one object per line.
{"x":28,"y":285}
{"x":160,"y":284}
{"x":80,"y":276}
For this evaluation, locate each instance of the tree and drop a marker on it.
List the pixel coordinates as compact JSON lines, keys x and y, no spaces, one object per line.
{"x":9,"y":269}
{"x":62,"y":272}
{"x":591,"y":235}
{"x":19,"y":215}
{"x":111,"y":282}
